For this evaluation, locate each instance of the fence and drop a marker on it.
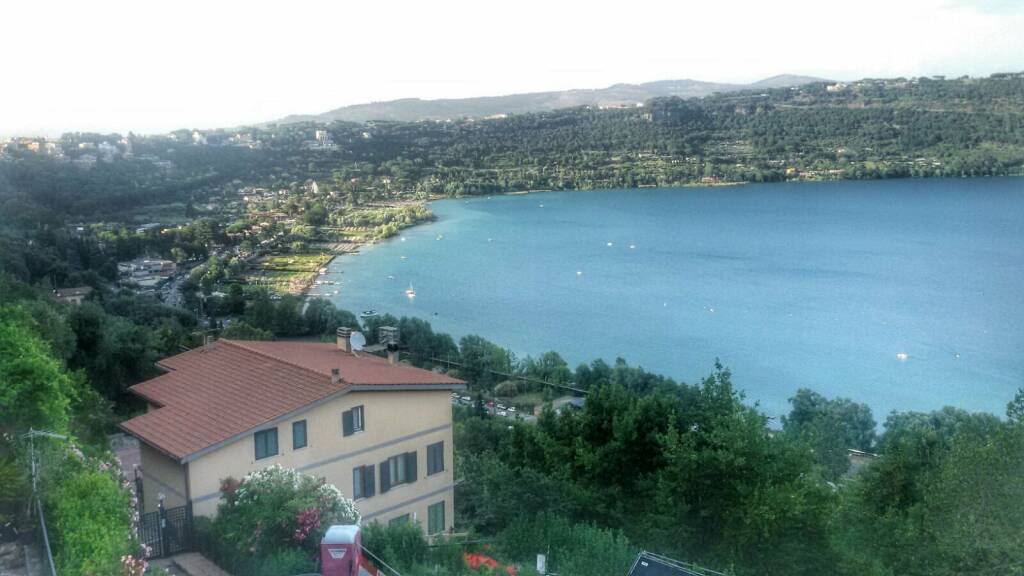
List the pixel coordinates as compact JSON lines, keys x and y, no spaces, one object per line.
{"x":43,"y":543}
{"x":167,"y":531}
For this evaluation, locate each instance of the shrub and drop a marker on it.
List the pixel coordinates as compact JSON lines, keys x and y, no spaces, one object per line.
{"x":288,"y":561}
{"x":273,"y":517}
{"x":572,"y":549}
{"x":90,"y":517}
{"x":399,"y":545}
{"x":15,"y":490}
{"x":507,"y":389}
{"x":405,"y":548}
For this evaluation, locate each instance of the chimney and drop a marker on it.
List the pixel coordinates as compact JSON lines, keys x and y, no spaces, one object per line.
{"x":335,"y":376}
{"x":208,"y":341}
{"x":345,"y":339}
{"x":388,"y":335}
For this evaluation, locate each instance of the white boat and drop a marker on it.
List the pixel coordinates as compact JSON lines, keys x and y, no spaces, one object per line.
{"x":410,"y":292}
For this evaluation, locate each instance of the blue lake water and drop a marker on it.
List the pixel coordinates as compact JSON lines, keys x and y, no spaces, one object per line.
{"x":818,"y":285}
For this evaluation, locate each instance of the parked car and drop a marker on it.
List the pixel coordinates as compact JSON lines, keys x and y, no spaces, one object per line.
{"x":502,"y":413}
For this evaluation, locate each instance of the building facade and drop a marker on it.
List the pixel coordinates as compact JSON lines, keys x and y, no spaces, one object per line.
{"x":378,"y":430}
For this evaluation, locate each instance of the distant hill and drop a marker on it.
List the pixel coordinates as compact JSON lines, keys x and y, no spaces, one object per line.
{"x":412,"y":109}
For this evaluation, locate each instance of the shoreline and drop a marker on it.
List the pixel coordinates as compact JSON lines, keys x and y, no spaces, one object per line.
{"x":356,"y":246}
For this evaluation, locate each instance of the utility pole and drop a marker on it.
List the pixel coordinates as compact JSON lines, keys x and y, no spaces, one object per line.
{"x":31,"y":436}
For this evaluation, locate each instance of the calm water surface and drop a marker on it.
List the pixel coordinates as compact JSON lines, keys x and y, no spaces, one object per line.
{"x":819,"y":285}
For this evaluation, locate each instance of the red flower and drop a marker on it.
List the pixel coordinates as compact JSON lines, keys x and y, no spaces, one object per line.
{"x":308,"y":522}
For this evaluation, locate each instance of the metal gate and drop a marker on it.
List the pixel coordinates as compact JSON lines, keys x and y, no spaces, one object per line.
{"x":167,"y":531}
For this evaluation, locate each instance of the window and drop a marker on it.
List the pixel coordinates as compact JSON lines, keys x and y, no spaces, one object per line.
{"x":397,"y":470}
{"x":435,"y":518}
{"x":352,"y":421}
{"x":435,"y":458}
{"x":403,"y":519}
{"x":362,"y":482}
{"x":298,"y":434}
{"x":266,"y":443}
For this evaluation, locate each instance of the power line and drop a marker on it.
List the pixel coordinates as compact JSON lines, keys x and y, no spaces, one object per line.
{"x":511,"y":376}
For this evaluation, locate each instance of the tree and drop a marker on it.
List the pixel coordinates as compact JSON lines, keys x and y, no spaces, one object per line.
{"x":316,"y":215}
{"x":260,"y":313}
{"x":945,"y":497}
{"x":287,"y":321}
{"x":829,"y":428}
{"x":480,"y":358}
{"x":34,"y":390}
{"x":1015,"y":409}
{"x":239,"y":330}
{"x":236,"y":299}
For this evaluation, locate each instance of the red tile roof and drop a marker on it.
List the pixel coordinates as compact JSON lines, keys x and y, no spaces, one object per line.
{"x":210,"y":395}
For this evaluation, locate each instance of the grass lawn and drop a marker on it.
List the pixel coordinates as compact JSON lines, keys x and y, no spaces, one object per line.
{"x":287,"y":273}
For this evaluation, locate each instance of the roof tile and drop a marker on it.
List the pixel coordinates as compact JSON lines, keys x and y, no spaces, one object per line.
{"x":215,"y":393}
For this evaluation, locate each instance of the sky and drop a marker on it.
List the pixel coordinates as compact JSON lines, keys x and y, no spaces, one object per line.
{"x":151,"y":67}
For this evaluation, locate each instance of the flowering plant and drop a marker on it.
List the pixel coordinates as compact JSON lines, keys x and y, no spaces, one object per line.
{"x":276,"y":508}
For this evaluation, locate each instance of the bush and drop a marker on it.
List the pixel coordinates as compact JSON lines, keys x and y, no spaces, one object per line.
{"x":572,"y":549}
{"x":15,"y":492}
{"x":239,"y":330}
{"x":507,"y":389}
{"x":273,"y":519}
{"x":405,"y":548}
{"x":399,"y":545}
{"x":90,"y":518}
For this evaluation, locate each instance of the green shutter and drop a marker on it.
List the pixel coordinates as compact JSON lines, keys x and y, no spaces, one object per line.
{"x":435,"y":518}
{"x":298,"y":434}
{"x":368,"y":482}
{"x":435,"y":458}
{"x":410,"y":467}
{"x":346,"y":423}
{"x":385,"y":476}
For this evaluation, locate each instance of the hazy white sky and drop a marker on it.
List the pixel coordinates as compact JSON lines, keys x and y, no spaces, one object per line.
{"x":154,"y":66}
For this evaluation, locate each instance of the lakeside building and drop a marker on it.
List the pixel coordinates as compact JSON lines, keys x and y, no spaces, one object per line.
{"x":72,"y":295}
{"x":379,"y":430}
{"x":147,"y":273}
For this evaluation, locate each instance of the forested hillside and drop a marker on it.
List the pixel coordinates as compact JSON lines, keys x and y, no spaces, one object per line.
{"x":867,"y":129}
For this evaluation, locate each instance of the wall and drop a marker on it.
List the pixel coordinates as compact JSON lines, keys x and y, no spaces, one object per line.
{"x":395,"y":422}
{"x":161,"y":474}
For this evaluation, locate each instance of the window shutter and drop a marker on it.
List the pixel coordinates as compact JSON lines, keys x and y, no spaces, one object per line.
{"x":357,"y":482}
{"x":410,"y":466}
{"x":385,"y":476}
{"x":435,"y":458}
{"x":346,"y":423}
{"x":368,"y":480}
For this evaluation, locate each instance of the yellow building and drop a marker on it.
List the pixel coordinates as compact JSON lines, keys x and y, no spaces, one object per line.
{"x":378,"y":430}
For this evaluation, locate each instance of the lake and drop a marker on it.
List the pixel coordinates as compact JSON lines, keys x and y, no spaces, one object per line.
{"x":904,"y":294}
